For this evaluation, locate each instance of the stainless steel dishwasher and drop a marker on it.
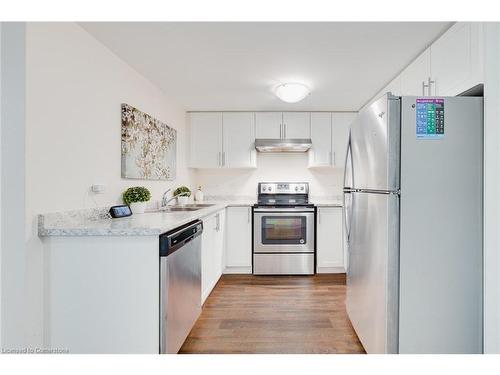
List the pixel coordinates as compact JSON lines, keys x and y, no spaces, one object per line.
{"x":180,"y":284}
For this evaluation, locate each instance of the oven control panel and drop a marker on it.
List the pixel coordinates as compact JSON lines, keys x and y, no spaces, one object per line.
{"x":283,"y":188}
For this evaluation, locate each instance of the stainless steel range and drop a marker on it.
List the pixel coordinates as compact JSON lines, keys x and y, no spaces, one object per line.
{"x":283,"y":230}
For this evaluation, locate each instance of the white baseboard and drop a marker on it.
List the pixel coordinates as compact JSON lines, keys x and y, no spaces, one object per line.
{"x":237,"y":270}
{"x":330,"y":270}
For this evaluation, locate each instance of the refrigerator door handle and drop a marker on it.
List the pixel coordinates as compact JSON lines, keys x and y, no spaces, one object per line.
{"x":348,"y":157}
{"x":348,"y":214}
{"x":348,"y":150}
{"x":348,"y":190}
{"x":347,"y":229}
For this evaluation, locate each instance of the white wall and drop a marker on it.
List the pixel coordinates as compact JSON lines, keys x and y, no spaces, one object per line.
{"x":492,"y":189}
{"x":13,"y":181}
{"x":271,"y":167}
{"x":74,"y":89}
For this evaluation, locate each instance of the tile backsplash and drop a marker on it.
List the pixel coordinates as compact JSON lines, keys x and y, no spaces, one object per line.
{"x":323,"y":182}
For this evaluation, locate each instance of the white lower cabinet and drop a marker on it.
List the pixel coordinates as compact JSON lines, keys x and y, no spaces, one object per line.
{"x":212,"y":248}
{"x":329,"y":240}
{"x":238,"y":249}
{"x":101,"y":294}
{"x":219,"y":244}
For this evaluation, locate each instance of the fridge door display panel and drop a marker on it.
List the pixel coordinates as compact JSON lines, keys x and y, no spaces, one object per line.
{"x":430,"y":118}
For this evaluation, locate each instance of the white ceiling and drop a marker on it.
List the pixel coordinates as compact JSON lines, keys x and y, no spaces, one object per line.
{"x":235,"y":66}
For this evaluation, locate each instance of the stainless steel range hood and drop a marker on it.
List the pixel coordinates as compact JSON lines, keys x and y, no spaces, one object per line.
{"x":283,"y":145}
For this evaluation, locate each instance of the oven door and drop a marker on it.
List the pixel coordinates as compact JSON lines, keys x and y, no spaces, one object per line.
{"x":283,"y":230}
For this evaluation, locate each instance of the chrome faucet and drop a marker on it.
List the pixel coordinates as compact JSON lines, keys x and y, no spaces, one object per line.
{"x":165,"y":201}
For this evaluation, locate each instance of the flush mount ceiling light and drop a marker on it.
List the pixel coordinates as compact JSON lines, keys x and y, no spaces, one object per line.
{"x":292,"y":92}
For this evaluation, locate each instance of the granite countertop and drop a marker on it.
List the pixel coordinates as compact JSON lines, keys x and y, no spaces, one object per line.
{"x":97,"y":222}
{"x":322,"y":202}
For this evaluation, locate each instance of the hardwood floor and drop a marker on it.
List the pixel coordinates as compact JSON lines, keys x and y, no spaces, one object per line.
{"x":275,"y":314}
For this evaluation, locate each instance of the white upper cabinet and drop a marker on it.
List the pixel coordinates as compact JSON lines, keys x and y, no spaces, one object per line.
{"x":341,"y":124}
{"x":296,"y":125}
{"x":268,"y":125}
{"x":238,"y":139}
{"x":281,"y":125}
{"x":394,"y":87}
{"x":320,"y":154}
{"x":452,"y":65}
{"x":415,"y":78}
{"x":456,"y":59}
{"x":329,"y":135}
{"x":206,"y":139}
{"x":222,"y":140}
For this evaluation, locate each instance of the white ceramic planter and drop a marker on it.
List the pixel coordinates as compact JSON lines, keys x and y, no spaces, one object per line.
{"x":138,"y":207}
{"x":182,"y":201}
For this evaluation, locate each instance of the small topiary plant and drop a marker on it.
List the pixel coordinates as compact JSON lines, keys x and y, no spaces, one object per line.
{"x":182,"y":191}
{"x":136,"y":194}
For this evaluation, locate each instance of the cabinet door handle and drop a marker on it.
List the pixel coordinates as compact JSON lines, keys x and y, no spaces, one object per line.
{"x":319,"y":216}
{"x":281,"y":131}
{"x":248,"y":216}
{"x":429,"y":85}
{"x":218,"y":159}
{"x":284,"y":131}
{"x":334,"y":161}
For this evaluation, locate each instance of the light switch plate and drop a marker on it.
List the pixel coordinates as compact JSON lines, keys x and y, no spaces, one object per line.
{"x":98,"y":188}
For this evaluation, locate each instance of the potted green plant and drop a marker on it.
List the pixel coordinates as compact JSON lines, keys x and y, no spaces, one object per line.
{"x":136,"y":197}
{"x":182,"y":193}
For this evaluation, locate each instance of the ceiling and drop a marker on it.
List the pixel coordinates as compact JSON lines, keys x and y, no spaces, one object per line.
{"x":235,"y":66}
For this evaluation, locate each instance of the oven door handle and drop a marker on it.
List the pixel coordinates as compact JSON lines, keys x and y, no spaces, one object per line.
{"x":285,"y":210}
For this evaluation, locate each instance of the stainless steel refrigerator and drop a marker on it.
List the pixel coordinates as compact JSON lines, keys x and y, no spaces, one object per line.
{"x":413,"y":222}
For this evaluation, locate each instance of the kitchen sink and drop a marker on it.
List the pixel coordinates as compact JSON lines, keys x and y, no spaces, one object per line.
{"x":187,"y":207}
{"x":196,"y":205}
{"x":175,"y":209}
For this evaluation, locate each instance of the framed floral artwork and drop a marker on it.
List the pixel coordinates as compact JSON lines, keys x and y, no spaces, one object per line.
{"x":148,"y":146}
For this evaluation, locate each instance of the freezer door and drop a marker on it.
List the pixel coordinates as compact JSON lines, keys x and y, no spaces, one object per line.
{"x":375,"y":143}
{"x":372,"y":274}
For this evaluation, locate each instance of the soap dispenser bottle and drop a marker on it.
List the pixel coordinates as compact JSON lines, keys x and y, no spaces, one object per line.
{"x":198,"y":196}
